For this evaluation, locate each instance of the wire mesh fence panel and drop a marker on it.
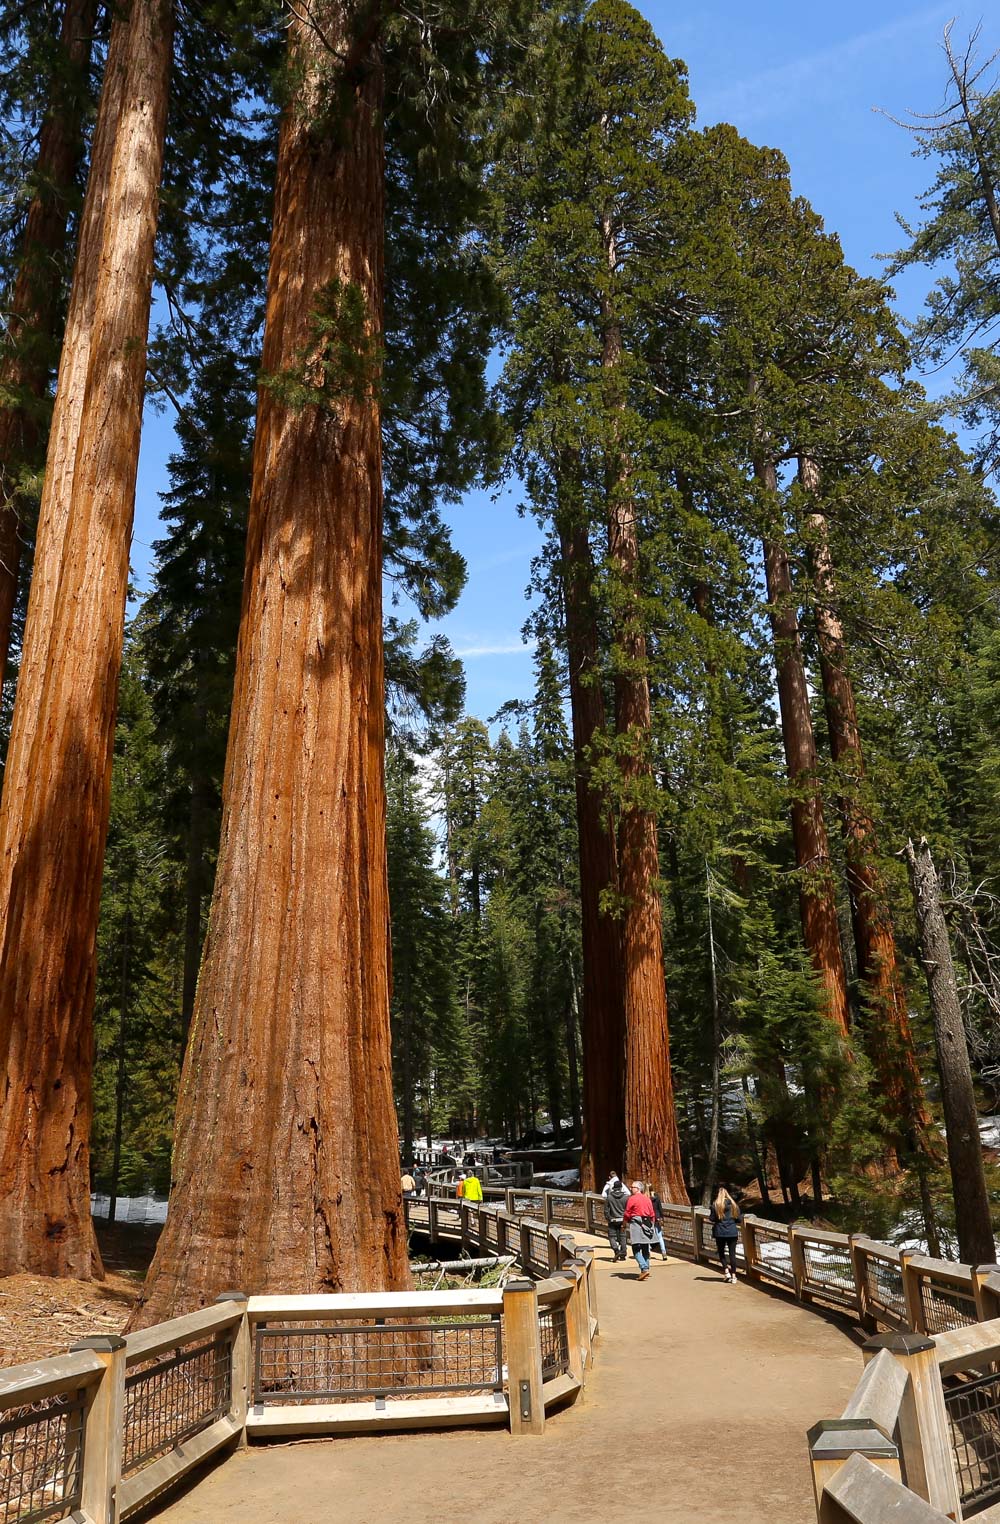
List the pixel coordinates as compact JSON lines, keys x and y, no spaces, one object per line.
{"x":539,"y":1240}
{"x":341,"y":1362}
{"x":829,"y":1270}
{"x":449,"y":1215}
{"x":678,"y":1230}
{"x":973,"y":1406}
{"x":774,"y":1254}
{"x":570,"y":1211}
{"x":41,"y":1453}
{"x":946,"y":1307}
{"x":492,"y":1232}
{"x":884,"y":1281}
{"x":173,"y":1397}
{"x":555,"y":1342}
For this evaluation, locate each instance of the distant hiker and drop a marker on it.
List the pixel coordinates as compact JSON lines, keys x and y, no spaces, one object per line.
{"x":409,"y":1185}
{"x":658,"y":1217}
{"x":419,"y":1180}
{"x":640,"y":1220}
{"x":725,"y":1220}
{"x":615,"y":1202}
{"x":460,"y":1187}
{"x":613,"y":1179}
{"x":473,"y":1188}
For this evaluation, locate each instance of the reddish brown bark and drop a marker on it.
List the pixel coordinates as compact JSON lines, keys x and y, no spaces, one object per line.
{"x":653,"y":1151}
{"x":890,"y":1039}
{"x":603,"y":1012}
{"x":817,"y":902}
{"x":286,"y":1172}
{"x":53,"y":820}
{"x":35,"y":301}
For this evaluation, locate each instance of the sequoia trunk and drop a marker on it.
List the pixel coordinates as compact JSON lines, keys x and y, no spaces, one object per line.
{"x":602,"y":1014}
{"x":54,"y":816}
{"x":653,"y":1150}
{"x":976,"y":1245}
{"x":890,"y":1040}
{"x":817,"y":902}
{"x":33,"y":315}
{"x":286,"y":1170}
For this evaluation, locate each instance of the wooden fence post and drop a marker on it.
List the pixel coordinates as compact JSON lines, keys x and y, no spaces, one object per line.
{"x":546,"y":1207}
{"x":523,"y":1344}
{"x":241,"y":1368}
{"x":576,"y":1314}
{"x":924,"y":1430}
{"x":987,"y":1296}
{"x":511,"y":1202}
{"x":749,"y":1248}
{"x":797,"y":1251}
{"x":911,"y":1292}
{"x":524,"y":1258}
{"x":587,"y":1312}
{"x":859,"y":1271}
{"x":103,"y":1434}
{"x":697,"y":1253}
{"x":432,"y":1220}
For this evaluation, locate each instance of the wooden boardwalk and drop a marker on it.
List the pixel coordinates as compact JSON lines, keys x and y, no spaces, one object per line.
{"x":696,"y":1408}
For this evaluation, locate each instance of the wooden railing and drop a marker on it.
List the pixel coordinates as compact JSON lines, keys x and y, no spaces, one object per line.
{"x":920,"y":1438}
{"x":93,"y":1436}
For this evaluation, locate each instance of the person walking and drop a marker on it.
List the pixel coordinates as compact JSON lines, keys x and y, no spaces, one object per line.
{"x":407,"y":1183}
{"x":658,"y":1216}
{"x":460,"y":1187}
{"x":725,"y":1220}
{"x":615,"y":1202}
{"x":640,"y":1220}
{"x":473,"y":1188}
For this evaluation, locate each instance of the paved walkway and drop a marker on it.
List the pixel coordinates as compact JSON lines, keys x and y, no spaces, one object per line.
{"x":696,"y":1407}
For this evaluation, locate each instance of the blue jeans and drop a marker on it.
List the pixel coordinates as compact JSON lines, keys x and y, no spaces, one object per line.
{"x":641,"y":1256}
{"x":659,"y":1242}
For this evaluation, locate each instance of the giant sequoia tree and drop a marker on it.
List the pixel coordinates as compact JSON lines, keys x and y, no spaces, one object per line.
{"x":286,"y":1166}
{"x":593,"y":186}
{"x":32,"y":319}
{"x":54,"y":815}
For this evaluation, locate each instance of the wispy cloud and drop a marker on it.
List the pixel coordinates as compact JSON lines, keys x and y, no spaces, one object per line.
{"x":779,"y":89}
{"x":500,"y":649}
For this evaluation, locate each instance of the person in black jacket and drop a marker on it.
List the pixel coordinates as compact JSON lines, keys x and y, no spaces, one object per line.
{"x":615,"y":1202}
{"x":658,"y":1209}
{"x":725,"y":1220}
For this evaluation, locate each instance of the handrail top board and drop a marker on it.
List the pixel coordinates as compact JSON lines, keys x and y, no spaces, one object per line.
{"x":147,"y":1342}
{"x":942,"y":1269}
{"x":967,"y":1348}
{"x":48,"y":1377}
{"x":394,"y":1304}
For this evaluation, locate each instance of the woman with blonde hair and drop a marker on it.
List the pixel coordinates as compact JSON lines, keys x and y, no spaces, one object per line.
{"x":725,"y":1220}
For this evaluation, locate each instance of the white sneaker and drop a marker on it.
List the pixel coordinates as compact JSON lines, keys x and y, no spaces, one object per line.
{"x":729,"y":1276}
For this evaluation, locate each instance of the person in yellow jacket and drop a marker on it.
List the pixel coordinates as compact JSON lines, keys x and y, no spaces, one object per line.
{"x":473,"y":1188}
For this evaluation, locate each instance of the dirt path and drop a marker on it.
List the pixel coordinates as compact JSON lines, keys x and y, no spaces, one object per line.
{"x":697,"y":1407}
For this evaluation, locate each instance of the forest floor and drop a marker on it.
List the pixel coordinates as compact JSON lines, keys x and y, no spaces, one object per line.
{"x":697,"y":1407}
{"x":39,"y":1316}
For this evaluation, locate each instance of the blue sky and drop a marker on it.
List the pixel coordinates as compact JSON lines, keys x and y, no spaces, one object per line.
{"x":800,"y":75}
